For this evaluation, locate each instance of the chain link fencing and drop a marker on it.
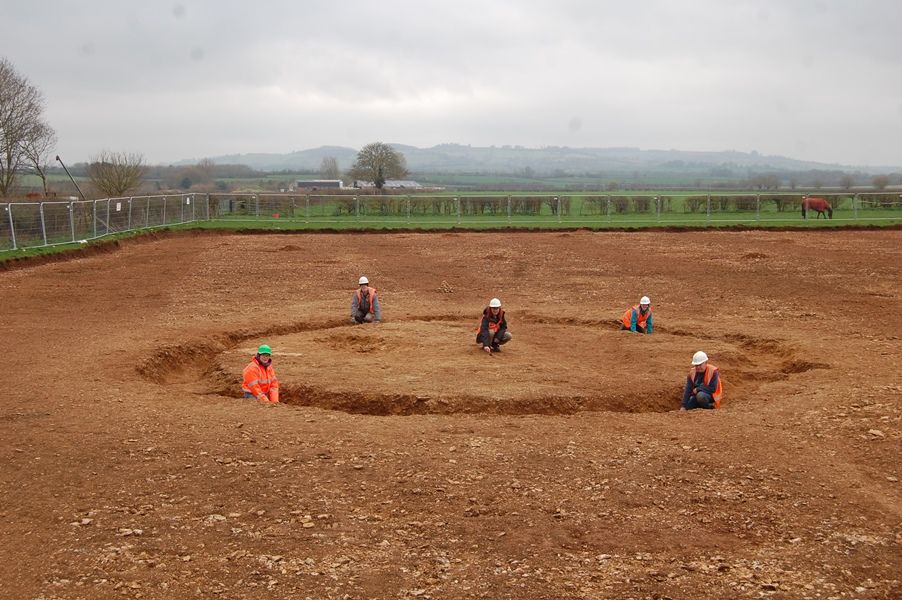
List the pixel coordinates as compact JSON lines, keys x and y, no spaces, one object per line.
{"x":35,"y":224}
{"x":564,"y":209}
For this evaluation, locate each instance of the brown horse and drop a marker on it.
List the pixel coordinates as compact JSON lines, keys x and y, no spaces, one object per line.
{"x":818,"y":205}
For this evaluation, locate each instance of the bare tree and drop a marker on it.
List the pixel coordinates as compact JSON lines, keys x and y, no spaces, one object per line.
{"x":206,"y":169}
{"x":847,"y":181}
{"x":21,"y":106}
{"x":191,"y":176}
{"x":377,"y":162}
{"x":38,"y":151}
{"x":328,"y":169}
{"x":880,"y":182}
{"x":116,"y":173}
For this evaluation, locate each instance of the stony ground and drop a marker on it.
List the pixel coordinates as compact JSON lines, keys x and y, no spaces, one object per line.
{"x":404,"y":463}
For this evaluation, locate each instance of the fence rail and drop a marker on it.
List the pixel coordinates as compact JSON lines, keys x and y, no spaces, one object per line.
{"x":36,"y":224}
{"x":566,"y":209}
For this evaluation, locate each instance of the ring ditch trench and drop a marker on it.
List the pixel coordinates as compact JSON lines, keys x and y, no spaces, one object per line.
{"x":431,"y":365}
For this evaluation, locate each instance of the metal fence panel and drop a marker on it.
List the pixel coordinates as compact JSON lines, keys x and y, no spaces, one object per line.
{"x":171,"y":210}
{"x":140,"y":213}
{"x":35,"y":224}
{"x":58,"y":222}
{"x":83,"y":219}
{"x":156,"y":211}
{"x":26,"y":219}
{"x":328,"y":208}
{"x":118,"y":215}
{"x":6,"y":231}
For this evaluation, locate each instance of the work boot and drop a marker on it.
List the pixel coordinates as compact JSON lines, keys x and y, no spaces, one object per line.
{"x":496,"y":348}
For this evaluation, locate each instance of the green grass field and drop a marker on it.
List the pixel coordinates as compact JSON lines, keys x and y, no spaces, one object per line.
{"x":496,"y":210}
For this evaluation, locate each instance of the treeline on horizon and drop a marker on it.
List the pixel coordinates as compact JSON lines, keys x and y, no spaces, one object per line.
{"x":236,"y":177}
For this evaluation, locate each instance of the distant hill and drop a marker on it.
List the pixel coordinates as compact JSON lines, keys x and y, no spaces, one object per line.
{"x":456,"y":158}
{"x":301,"y":160}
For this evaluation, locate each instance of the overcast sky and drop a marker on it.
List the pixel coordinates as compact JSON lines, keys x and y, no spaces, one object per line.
{"x":809,"y":79}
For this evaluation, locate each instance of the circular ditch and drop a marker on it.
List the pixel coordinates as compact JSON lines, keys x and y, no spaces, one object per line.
{"x":432,"y":365}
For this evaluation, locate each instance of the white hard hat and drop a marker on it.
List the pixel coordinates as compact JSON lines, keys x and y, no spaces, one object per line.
{"x":494,"y":303}
{"x":363,"y":280}
{"x":644,"y":300}
{"x":699,"y":358}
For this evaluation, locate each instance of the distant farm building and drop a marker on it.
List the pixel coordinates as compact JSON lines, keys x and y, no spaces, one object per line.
{"x":318,"y":184}
{"x":395,"y":184}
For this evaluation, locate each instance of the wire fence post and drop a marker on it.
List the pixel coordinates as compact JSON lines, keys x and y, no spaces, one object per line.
{"x":457,"y":208}
{"x":256,"y":207}
{"x":855,"y":207}
{"x":357,"y":208}
{"x":509,"y":210}
{"x":658,"y":208}
{"x":94,"y":211}
{"x":408,"y":208}
{"x":558,"y":202}
{"x":757,"y":207}
{"x":43,"y":224}
{"x":708,"y":209}
{"x":193,"y":207}
{"x":130,"y":213}
{"x":306,"y":208}
{"x":12,"y":226}
{"x":163,"y":222}
{"x":72,"y":220}
{"x":608,"y":207}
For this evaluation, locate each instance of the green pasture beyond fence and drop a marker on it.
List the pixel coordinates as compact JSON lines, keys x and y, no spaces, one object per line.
{"x":28,"y":225}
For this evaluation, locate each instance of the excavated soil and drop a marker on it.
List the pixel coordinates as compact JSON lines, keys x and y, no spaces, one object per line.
{"x":406,"y":463}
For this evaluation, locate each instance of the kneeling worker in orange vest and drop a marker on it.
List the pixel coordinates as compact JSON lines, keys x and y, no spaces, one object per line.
{"x":638,"y":317}
{"x":259,"y":377}
{"x":493,"y":328}
{"x":703,"y":387}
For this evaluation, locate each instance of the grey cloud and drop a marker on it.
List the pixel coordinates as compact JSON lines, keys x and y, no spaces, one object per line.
{"x":782,"y":77}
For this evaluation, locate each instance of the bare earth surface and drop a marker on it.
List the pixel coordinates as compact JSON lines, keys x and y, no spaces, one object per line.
{"x":405,"y":463}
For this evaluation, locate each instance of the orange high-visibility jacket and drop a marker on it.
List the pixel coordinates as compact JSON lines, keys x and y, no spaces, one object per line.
{"x":640,"y":318}
{"x":492,"y":324}
{"x":710,"y":370}
{"x":259,"y":380}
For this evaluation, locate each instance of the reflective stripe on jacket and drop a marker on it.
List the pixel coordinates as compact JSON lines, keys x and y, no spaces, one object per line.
{"x":259,"y":380}
{"x":494,"y":324}
{"x":634,"y":312}
{"x":711,"y":374}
